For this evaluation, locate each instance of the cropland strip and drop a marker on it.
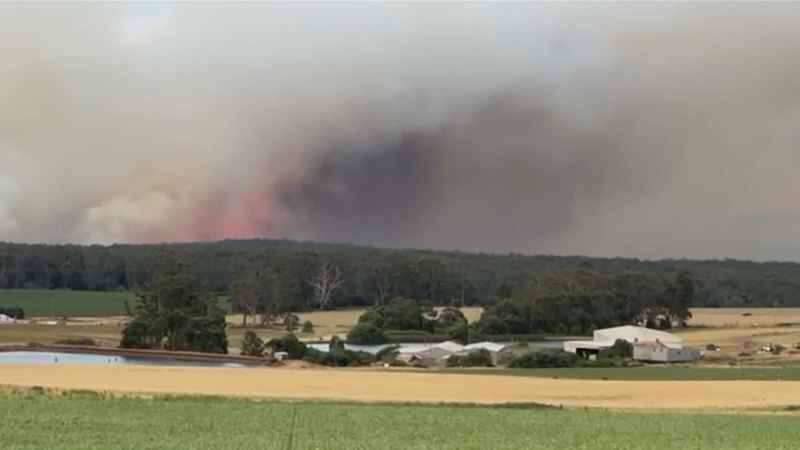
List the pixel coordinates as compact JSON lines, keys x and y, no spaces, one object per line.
{"x":379,"y":386}
{"x":79,"y":421}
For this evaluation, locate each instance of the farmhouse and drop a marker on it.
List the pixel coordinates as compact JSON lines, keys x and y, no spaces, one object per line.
{"x":658,"y":352}
{"x":606,"y":337}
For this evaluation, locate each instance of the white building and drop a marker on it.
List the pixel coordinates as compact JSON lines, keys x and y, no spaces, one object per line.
{"x":657,"y":352}
{"x":606,"y":337}
{"x":5,"y":319}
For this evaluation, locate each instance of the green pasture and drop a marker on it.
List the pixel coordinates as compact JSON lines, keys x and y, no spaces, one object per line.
{"x":72,"y":303}
{"x":83,"y":421}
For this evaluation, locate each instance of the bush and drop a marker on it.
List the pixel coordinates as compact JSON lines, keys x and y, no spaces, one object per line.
{"x":460,"y":333}
{"x":289,"y":344}
{"x":475,"y":358}
{"x":542,"y":359}
{"x":450,"y":317}
{"x":338,"y":358}
{"x":336,"y":344}
{"x":252,"y":345}
{"x":620,"y":349}
{"x":14,"y":312}
{"x":290,"y":322}
{"x":308,"y":327}
{"x":367,"y":334}
{"x":388,"y":354}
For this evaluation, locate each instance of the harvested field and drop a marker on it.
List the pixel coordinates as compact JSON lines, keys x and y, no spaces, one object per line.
{"x":743,"y":317}
{"x":379,"y":386}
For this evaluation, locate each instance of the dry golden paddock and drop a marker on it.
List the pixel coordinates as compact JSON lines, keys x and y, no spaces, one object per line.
{"x":733,"y":329}
{"x":372,"y":385}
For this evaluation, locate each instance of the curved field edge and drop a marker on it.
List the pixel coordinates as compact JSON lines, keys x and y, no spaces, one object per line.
{"x":43,"y":419}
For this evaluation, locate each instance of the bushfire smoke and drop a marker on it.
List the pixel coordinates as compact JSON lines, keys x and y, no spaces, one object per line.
{"x":613,"y":129}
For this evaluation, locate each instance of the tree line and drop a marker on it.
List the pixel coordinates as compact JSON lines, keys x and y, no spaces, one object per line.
{"x":269,"y":276}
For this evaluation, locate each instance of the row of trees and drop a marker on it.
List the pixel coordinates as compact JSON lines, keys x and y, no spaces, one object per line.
{"x":309,"y":275}
{"x":567,"y":303}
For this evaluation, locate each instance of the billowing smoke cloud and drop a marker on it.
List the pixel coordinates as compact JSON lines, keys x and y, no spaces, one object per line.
{"x":643,"y":130}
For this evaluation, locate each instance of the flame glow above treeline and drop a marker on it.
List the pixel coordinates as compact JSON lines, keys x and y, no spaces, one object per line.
{"x":651,"y":130}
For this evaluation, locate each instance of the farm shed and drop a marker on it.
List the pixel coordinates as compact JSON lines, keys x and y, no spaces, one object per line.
{"x":501,"y":353}
{"x":606,"y":337}
{"x":429,"y":356}
{"x":657,"y":352}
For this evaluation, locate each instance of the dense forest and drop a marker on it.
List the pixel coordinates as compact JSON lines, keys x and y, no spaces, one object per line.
{"x":315,"y":275}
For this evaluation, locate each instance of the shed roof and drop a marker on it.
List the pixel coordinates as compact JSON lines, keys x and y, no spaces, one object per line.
{"x":491,"y":346}
{"x":633,"y":333}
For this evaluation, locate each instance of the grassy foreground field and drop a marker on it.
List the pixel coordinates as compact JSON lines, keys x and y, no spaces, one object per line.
{"x":38,"y":421}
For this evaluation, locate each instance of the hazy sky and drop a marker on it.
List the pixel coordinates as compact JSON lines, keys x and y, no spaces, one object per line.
{"x":648,"y":130}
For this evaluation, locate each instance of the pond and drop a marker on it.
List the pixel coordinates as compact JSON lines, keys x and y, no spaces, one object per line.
{"x":45,"y":358}
{"x":414,"y":347}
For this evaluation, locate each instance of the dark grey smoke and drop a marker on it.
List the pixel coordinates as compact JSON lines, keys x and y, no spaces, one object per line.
{"x":507,"y":173}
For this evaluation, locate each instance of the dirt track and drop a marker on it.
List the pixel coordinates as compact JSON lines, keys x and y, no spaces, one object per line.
{"x":362,"y":385}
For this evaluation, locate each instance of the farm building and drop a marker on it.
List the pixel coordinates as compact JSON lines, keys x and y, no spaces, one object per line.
{"x":658,"y":352}
{"x":501,"y":353}
{"x":606,"y":337}
{"x":430,"y":355}
{"x":5,"y":319}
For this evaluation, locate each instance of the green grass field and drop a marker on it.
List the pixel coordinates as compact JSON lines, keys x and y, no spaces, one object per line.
{"x":66,"y":303}
{"x":74,"y":421}
{"x":789,"y":373}
{"x":73,"y":303}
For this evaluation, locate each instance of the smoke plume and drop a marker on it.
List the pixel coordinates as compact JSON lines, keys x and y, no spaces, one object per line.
{"x":649,"y":130}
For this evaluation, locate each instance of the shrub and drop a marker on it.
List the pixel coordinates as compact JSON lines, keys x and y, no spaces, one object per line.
{"x":14,"y":312}
{"x":450,"y":317}
{"x":388,"y":353}
{"x":291,"y":322}
{"x":308,"y":327}
{"x":460,"y":333}
{"x":367,"y":334}
{"x":475,"y":358}
{"x":336,"y":344}
{"x":548,"y":358}
{"x":338,"y":357}
{"x":620,"y":349}
{"x":289,"y":344}
{"x":252,"y":345}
